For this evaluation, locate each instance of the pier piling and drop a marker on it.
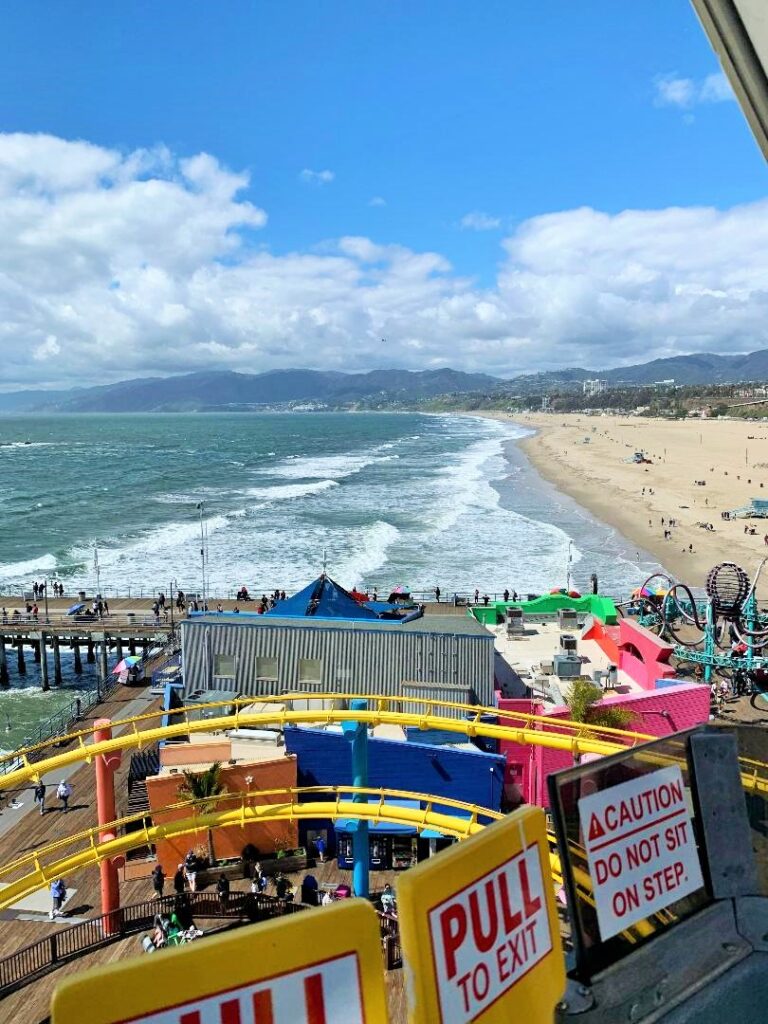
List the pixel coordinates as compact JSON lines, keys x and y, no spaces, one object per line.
{"x":43,"y":656}
{"x":78,"y":663}
{"x":21,"y":664}
{"x":4,"y":679}
{"x":90,"y":656}
{"x":119,"y":651}
{"x":103,"y":664}
{"x":132,"y":647}
{"x":36,"y":652}
{"x":57,"y":677}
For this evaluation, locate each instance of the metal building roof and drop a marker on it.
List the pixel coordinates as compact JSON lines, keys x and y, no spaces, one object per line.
{"x":449,"y":625}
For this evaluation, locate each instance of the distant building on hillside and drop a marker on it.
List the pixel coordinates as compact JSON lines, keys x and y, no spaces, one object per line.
{"x":594,"y":387}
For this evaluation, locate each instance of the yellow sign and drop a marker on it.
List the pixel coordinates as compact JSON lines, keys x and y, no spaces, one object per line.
{"x":320,"y":966}
{"x":479,"y":930}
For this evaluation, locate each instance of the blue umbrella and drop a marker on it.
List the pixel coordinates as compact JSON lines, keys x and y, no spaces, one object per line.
{"x":75,"y":609}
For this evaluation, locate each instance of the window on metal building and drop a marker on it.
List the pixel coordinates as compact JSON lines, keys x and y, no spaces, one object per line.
{"x":266,"y":670}
{"x":310,"y":672}
{"x":224,"y":665}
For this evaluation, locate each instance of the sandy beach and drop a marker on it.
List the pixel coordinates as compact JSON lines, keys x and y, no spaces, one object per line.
{"x":586,"y":457}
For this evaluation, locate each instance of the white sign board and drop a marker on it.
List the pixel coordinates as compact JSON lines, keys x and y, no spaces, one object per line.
{"x":325,"y":993}
{"x":318,"y":967}
{"x":486,"y":937}
{"x":640,"y":848}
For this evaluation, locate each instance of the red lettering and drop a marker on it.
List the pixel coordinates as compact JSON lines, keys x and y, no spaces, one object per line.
{"x":262,"y":1007}
{"x":190,"y":1018}
{"x":530,"y":906}
{"x":453,"y":929}
{"x":511,"y":921}
{"x":484,"y":940}
{"x":463,"y":982}
{"x":315,"y":999}
{"x":230,"y":1012}
{"x":501,"y":963}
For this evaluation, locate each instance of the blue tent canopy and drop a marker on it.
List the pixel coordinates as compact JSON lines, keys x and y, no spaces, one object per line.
{"x":324,"y":598}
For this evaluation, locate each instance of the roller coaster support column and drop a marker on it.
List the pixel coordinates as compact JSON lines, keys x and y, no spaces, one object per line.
{"x":709,"y":644}
{"x":750,"y":611}
{"x":106,"y":765}
{"x":357,"y":733}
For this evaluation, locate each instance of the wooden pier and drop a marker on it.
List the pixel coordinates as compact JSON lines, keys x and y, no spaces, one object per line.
{"x":25,"y":829}
{"x":128,"y":628}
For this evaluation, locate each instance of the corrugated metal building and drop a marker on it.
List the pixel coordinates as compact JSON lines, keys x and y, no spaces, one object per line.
{"x":271,"y":655}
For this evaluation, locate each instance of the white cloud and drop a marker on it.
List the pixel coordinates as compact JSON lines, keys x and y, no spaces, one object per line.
{"x":317,"y":177}
{"x":673,"y":91}
{"x":479,"y":221}
{"x":116,"y":265}
{"x":377,"y":201}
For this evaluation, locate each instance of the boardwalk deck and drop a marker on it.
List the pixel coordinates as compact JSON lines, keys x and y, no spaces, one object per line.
{"x":25,"y":829}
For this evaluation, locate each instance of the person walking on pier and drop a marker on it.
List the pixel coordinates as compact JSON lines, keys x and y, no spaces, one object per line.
{"x":178,"y":880}
{"x":222,"y":890}
{"x":58,"y":895}
{"x":63,"y":793}
{"x":158,"y":881}
{"x":40,"y":795}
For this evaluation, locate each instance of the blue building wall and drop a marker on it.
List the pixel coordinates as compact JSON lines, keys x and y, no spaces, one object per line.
{"x":324,"y":759}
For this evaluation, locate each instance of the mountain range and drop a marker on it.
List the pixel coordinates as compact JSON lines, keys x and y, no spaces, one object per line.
{"x":223,"y":390}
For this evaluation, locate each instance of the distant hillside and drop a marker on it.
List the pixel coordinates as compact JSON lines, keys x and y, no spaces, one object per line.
{"x":223,"y":389}
{"x":220,"y":390}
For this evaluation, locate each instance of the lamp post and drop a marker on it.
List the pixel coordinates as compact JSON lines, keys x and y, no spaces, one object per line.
{"x":202,"y":550}
{"x":570,"y":562}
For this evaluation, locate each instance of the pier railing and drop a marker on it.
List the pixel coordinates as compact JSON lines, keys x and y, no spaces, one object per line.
{"x":146,"y":595}
{"x":32,"y":962}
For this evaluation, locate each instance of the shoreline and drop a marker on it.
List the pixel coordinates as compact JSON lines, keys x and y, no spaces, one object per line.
{"x":597,"y":476}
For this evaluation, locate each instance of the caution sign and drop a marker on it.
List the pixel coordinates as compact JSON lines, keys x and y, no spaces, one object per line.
{"x":479,"y":928}
{"x":317,"y":967}
{"x":640,"y":848}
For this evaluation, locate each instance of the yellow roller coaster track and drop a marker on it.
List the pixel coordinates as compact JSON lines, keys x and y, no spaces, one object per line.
{"x":36,"y":869}
{"x":575,"y":738}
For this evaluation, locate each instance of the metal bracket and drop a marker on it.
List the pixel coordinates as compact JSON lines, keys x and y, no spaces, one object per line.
{"x":721,"y":814}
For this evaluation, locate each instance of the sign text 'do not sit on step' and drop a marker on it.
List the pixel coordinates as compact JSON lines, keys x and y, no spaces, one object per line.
{"x":640,"y":848}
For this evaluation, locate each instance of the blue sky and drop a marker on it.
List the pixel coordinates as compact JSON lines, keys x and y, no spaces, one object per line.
{"x":434,"y":111}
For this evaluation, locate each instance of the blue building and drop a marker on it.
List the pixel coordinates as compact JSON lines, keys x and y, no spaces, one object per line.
{"x":466,"y":774}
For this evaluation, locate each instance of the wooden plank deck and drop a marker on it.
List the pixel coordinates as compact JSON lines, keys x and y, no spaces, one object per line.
{"x":31,"y":831}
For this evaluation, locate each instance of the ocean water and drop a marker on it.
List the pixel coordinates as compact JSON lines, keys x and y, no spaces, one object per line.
{"x":391,"y":499}
{"x":387,"y":499}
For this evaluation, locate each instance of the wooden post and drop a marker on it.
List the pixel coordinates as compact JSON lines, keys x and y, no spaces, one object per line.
{"x":78,"y":665}
{"x":103,"y":663}
{"x":119,"y":648}
{"x":36,"y":651}
{"x":57,"y":677}
{"x":132,"y":647}
{"x":22,"y":665}
{"x":43,"y":656}
{"x":4,"y":678}
{"x":90,"y":656}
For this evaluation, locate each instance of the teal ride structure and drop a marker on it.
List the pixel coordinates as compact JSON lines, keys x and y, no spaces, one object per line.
{"x":732,"y":632}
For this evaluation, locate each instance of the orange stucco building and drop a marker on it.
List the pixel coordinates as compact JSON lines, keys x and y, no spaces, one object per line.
{"x":162,"y":790}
